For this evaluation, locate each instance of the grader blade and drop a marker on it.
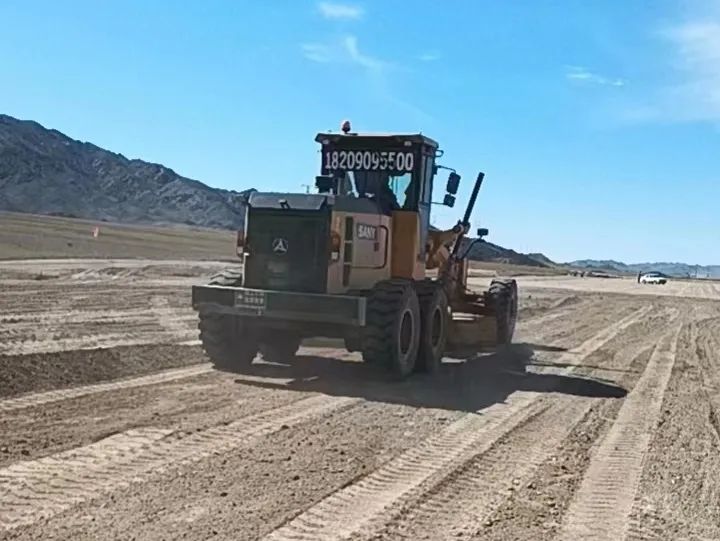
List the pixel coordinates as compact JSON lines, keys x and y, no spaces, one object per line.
{"x":484,"y":320}
{"x":470,"y":332}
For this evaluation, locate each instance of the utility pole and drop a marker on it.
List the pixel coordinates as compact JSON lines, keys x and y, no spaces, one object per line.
{"x":307,"y":187}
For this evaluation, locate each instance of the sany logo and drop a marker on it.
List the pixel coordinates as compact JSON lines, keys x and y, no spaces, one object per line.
{"x":366,"y":232}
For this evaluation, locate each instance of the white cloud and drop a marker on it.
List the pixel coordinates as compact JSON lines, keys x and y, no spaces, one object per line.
{"x":698,"y":44}
{"x":375,"y":70}
{"x":350,"y":43}
{"x":580,"y":74}
{"x":696,"y":92}
{"x":317,"y":52}
{"x":345,"y":51}
{"x":429,"y":57}
{"x":332,"y":10}
{"x":689,"y":67}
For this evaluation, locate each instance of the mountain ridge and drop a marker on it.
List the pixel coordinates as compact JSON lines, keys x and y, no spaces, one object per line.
{"x":43,"y":171}
{"x":677,"y":269}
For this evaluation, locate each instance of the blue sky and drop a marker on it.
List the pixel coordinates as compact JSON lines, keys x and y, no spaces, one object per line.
{"x":596,"y":123}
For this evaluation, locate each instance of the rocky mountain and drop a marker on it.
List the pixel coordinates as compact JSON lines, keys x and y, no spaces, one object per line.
{"x":670,"y":269}
{"x":45,"y":172}
{"x":487,"y":251}
{"x":542,"y":259}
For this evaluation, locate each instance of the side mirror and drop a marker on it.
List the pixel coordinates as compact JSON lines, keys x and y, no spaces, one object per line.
{"x":482,"y":232}
{"x":449,"y":200}
{"x":453,"y":183}
{"x":324,"y":183}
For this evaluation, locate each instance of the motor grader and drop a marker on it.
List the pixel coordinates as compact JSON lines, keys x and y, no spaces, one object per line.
{"x":359,"y":261}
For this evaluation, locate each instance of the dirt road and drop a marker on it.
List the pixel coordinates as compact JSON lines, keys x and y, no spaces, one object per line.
{"x":602,"y":422}
{"x":688,"y":289}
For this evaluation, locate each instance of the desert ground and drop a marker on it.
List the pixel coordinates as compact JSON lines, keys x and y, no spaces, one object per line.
{"x":602,"y":421}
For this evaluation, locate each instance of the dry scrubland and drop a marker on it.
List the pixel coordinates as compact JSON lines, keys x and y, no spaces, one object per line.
{"x":602,"y":422}
{"x":25,"y":236}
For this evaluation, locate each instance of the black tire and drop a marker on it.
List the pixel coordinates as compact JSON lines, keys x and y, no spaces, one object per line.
{"x":229,"y":341}
{"x":354,"y":342}
{"x":392,"y":331}
{"x":435,"y":324}
{"x":503,"y":298}
{"x":281,"y":349}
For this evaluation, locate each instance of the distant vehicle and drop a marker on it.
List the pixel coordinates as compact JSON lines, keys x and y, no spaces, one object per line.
{"x":653,"y":278}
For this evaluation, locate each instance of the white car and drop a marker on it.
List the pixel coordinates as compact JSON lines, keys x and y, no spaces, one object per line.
{"x":653,"y":278}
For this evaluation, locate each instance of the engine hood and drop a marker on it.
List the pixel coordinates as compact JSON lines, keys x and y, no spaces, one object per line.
{"x":287,"y":201}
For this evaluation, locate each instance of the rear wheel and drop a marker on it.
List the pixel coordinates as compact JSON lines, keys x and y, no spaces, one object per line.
{"x":434,"y":327}
{"x":282,"y":348}
{"x":229,"y":341}
{"x":504,"y":300}
{"x":392,"y":332}
{"x":353,"y":342}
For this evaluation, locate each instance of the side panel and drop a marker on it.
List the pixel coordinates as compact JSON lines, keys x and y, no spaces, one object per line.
{"x":365,"y":255}
{"x":406,"y":246}
{"x":425,"y":202}
{"x":335,"y":266}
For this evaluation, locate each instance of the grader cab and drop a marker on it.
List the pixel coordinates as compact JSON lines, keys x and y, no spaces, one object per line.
{"x":358,"y":260}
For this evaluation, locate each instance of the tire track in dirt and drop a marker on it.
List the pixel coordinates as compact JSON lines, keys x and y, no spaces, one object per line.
{"x":711,"y":290}
{"x":159,"y":303}
{"x":570,"y":360}
{"x":30,"y":319}
{"x":167,"y":317}
{"x":47,"y":397}
{"x":344,"y":512}
{"x":546,"y":324}
{"x":369,"y":504}
{"x":692,"y":442}
{"x":63,"y":328}
{"x":31,"y":345}
{"x":602,"y":505}
{"x":534,"y":506}
{"x":43,"y":488}
{"x":530,"y":312}
{"x":461,"y":504}
{"x":38,"y":399}
{"x":707,"y":354}
{"x":542,"y":319}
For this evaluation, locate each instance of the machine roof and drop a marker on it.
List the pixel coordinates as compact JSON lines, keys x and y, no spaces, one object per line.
{"x":376,"y":138}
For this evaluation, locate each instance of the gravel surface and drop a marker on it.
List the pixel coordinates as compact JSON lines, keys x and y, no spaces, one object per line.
{"x":114,"y":426}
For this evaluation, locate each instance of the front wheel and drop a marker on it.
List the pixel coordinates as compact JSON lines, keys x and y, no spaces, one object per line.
{"x":503,"y":297}
{"x":435,"y":323}
{"x":392,"y":332}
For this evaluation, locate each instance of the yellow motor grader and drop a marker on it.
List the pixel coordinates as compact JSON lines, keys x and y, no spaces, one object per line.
{"x":354,"y":261}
